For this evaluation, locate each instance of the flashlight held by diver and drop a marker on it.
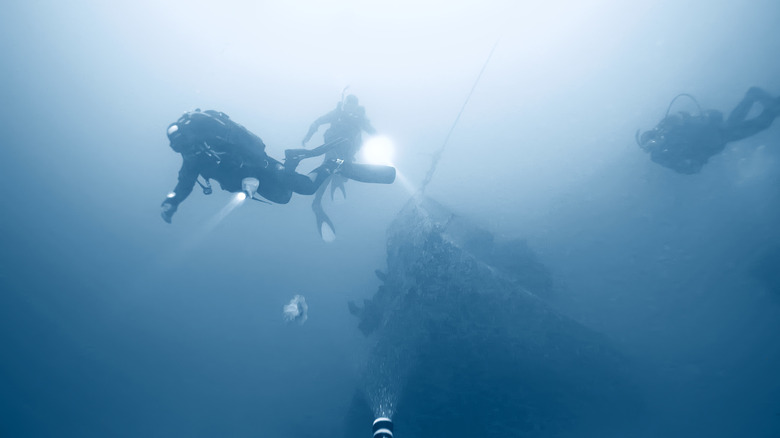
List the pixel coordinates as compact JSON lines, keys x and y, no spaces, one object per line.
{"x":249,"y":186}
{"x":378,"y":150}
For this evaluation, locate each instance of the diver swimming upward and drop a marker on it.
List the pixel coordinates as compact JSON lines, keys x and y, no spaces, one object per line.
{"x":343,"y":140}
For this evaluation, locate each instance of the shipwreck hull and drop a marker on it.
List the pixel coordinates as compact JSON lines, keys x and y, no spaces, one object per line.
{"x":466,"y":344}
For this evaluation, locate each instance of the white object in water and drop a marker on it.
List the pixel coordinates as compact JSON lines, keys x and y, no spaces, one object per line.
{"x":249,"y":186}
{"x":378,"y":150}
{"x":327,"y":233}
{"x":296,"y":310}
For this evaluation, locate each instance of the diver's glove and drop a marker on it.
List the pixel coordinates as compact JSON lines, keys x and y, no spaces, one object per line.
{"x":168,"y":209}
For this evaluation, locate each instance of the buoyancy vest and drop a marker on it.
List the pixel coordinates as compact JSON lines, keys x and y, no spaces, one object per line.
{"x":214,"y":134}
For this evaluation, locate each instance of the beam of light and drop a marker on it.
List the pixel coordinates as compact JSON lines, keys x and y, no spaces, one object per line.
{"x":215,"y":220}
{"x":386,"y":374}
{"x":193,"y":241}
{"x":405,"y":182}
{"x":378,"y":150}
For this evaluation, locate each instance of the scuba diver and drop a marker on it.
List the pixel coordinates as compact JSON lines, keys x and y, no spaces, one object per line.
{"x":684,"y":142}
{"x":343,"y":139}
{"x":215,"y":147}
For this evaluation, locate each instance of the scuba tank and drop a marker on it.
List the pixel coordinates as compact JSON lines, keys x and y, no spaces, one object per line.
{"x":215,"y":135}
{"x":647,"y":140}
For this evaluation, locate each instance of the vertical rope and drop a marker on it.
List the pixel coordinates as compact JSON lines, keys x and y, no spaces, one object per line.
{"x":438,"y":153}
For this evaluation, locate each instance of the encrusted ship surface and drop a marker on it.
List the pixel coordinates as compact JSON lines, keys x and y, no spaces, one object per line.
{"x":466,"y":344}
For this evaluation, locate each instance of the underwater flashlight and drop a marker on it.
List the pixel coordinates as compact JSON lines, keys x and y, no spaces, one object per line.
{"x":378,"y":150}
{"x":249,"y":186}
{"x":383,"y":428}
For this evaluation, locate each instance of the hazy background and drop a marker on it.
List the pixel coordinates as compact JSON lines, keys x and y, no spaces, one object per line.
{"x":114,"y":323}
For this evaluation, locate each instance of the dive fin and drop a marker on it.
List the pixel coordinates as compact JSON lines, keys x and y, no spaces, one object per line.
{"x":326,"y":232}
{"x":324,"y":225}
{"x":337,"y":182}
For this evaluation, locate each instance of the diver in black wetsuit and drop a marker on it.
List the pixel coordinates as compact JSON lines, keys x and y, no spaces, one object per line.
{"x":685,"y":142}
{"x":215,"y":147}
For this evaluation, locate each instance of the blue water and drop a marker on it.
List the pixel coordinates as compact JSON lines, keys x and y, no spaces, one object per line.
{"x":114,"y":323}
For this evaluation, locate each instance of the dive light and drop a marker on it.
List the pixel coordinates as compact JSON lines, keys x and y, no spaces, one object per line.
{"x":249,"y":186}
{"x":383,"y":428}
